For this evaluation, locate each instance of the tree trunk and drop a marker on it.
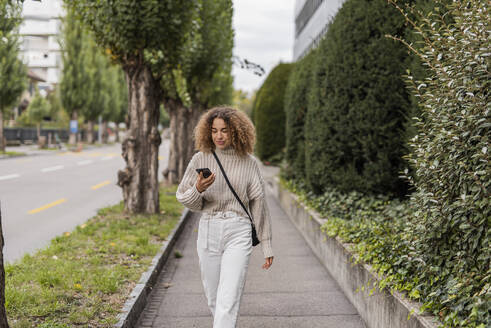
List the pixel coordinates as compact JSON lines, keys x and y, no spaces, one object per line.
{"x":105,"y":135}
{"x":182,"y":123}
{"x":3,"y":314}
{"x":139,"y":180}
{"x":117,"y":132}
{"x":72,"y":140}
{"x":90,"y":132}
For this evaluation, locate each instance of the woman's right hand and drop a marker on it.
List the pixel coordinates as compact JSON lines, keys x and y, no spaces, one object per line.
{"x":203,"y":183}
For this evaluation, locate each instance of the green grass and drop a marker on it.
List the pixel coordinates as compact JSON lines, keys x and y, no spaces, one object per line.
{"x":11,"y":153}
{"x":51,"y":148}
{"x":84,"y":277}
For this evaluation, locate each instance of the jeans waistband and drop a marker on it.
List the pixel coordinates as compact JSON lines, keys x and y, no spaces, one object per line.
{"x":220,"y":215}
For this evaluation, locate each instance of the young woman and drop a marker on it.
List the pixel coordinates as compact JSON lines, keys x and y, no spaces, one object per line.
{"x":224,"y":236}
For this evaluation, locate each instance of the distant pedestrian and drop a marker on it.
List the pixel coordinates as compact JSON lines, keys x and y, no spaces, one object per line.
{"x":224,"y":236}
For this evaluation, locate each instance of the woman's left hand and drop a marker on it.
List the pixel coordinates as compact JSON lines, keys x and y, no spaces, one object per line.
{"x":268,"y":263}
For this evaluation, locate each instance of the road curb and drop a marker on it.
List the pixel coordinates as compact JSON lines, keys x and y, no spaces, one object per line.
{"x":137,"y":300}
{"x":377,"y":308}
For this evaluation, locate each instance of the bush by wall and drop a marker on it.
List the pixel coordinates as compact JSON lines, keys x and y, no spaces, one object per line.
{"x":269,"y":113}
{"x":452,"y":163}
{"x":354,"y":132}
{"x":296,"y":97}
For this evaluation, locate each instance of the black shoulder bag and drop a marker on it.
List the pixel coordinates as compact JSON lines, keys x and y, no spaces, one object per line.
{"x":255,"y":240}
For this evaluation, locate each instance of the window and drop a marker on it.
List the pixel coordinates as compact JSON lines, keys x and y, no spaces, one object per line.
{"x":309,"y":9}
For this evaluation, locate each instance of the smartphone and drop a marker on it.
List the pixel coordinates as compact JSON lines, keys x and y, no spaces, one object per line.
{"x":206,"y":172}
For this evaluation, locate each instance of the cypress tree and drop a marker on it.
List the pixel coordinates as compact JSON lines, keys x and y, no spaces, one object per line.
{"x":13,"y":73}
{"x":75,"y":73}
{"x":296,"y":96}
{"x":269,"y":113}
{"x":355,"y":125}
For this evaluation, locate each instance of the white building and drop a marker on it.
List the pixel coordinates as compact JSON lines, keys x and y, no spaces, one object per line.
{"x":39,"y":47}
{"x":311,"y":22}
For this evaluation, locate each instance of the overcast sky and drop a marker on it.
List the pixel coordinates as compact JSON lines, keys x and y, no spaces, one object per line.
{"x":264,"y":35}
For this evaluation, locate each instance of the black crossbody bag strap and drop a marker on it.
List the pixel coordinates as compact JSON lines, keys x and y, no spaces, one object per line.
{"x":230,"y":186}
{"x":255,"y":240}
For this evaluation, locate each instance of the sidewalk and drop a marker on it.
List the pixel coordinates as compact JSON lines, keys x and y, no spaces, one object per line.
{"x":295,"y":292}
{"x":33,"y":150}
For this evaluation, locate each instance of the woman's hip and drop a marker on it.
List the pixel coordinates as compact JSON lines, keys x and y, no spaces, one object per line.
{"x":218,"y":232}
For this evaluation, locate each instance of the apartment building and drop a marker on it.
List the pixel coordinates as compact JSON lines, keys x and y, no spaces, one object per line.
{"x":39,"y":46}
{"x":312,"y":19}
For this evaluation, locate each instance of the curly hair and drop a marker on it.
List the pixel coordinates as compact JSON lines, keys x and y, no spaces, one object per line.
{"x":242,"y":132}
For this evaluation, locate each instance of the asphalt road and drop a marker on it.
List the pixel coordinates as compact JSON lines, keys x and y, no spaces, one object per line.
{"x":43,"y":196}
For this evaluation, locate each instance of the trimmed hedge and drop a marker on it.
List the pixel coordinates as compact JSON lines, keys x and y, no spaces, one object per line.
{"x":355,"y":126}
{"x":296,"y":98}
{"x":269,"y":113}
{"x":436,"y":245}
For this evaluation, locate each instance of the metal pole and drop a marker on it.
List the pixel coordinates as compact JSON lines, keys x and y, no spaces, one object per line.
{"x":99,"y":130}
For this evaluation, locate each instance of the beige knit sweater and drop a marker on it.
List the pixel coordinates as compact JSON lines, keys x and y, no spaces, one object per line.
{"x":244,"y":175}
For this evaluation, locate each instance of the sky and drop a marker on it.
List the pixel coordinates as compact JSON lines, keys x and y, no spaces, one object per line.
{"x":264,"y":35}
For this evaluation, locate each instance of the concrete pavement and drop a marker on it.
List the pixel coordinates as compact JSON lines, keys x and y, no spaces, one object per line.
{"x":295,"y":292}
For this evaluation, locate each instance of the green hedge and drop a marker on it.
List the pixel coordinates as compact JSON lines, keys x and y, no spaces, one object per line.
{"x":436,"y":246}
{"x":296,"y":97}
{"x":269,"y":113}
{"x":355,"y":125}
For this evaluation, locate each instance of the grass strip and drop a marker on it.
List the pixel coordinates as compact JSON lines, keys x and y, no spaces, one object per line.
{"x":83,"y":278}
{"x":12,"y":153}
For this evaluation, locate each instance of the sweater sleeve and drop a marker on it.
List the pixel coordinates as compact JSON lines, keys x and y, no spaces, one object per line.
{"x":187,"y":194}
{"x":260,"y":212}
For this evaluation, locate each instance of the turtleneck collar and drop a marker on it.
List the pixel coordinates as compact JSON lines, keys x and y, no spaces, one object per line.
{"x":230,"y":151}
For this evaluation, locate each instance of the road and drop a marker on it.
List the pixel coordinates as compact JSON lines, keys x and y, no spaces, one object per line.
{"x":46,"y":195}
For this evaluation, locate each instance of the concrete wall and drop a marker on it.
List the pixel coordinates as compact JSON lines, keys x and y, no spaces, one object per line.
{"x":380,"y":310}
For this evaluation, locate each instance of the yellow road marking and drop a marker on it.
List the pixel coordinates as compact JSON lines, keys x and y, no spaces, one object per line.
{"x":42,"y":208}
{"x":97,"y":186}
{"x":95,"y":154}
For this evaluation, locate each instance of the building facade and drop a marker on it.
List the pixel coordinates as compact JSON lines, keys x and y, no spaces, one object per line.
{"x":312,"y":19}
{"x":39,"y":31}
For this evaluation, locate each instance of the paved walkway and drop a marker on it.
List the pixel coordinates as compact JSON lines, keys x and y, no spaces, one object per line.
{"x":295,"y":292}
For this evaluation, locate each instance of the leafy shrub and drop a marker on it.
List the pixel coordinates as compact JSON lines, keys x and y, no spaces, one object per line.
{"x":356,"y":120}
{"x":452,"y":164}
{"x":269,"y":113}
{"x":379,"y":231}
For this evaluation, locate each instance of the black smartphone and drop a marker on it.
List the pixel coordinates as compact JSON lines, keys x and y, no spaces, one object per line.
{"x":206,"y":172}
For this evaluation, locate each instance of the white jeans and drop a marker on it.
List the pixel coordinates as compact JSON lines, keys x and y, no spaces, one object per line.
{"x":224,"y":246}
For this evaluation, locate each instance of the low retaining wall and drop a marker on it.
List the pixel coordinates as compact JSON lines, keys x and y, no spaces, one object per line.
{"x":380,"y":310}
